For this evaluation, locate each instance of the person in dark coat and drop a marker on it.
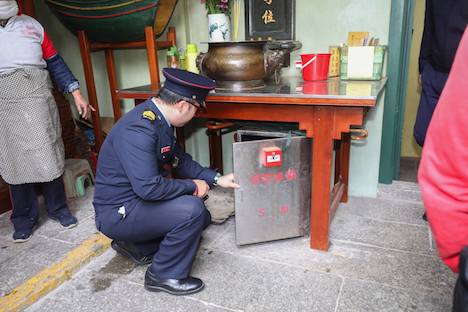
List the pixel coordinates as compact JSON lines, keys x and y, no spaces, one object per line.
{"x":151,"y":217}
{"x":444,"y":24}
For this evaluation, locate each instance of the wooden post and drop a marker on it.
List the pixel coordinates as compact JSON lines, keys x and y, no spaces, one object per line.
{"x":91,"y":86}
{"x":171,"y":36}
{"x":344,"y":163}
{"x":152,"y":57}
{"x":342,"y":154}
{"x":27,"y":7}
{"x":216,"y":149}
{"x":113,"y":84}
{"x":321,"y":161}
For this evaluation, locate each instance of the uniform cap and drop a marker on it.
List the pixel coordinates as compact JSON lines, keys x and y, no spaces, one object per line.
{"x":188,"y":84}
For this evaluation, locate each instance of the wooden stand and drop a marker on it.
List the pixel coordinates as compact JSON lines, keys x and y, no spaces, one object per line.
{"x":326,"y":118}
{"x":103,"y":124}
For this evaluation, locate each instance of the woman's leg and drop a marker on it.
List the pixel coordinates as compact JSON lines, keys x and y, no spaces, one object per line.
{"x":25,"y":210}
{"x":57,"y":208}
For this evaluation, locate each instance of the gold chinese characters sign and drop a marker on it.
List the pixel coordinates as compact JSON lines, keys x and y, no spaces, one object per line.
{"x":270,"y":19}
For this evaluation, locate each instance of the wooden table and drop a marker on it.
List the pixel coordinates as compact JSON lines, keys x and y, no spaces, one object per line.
{"x":326,"y":110}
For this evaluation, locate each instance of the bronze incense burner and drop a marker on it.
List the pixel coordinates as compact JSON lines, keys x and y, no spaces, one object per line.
{"x":243,"y":65}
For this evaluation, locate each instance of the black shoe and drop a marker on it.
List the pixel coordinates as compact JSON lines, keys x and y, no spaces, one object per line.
{"x":67,"y":220}
{"x":177,"y":287}
{"x":424,"y":217}
{"x":129,"y":250}
{"x":22,"y":236}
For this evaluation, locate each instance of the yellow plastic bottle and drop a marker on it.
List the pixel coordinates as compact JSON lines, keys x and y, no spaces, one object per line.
{"x":191,"y":58}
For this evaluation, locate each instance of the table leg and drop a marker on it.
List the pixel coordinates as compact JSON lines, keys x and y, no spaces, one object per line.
{"x":344,"y":163}
{"x":322,"y":152}
{"x":214,"y":129}
{"x":216,"y":150}
{"x":337,"y":148}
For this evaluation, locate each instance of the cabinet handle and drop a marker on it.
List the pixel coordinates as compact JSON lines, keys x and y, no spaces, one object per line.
{"x":359,"y":134}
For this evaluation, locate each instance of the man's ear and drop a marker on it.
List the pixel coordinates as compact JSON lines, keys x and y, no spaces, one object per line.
{"x":180,"y":106}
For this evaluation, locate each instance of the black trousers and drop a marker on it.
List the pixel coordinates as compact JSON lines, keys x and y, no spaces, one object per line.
{"x":460,"y":294}
{"x":25,"y":208}
{"x":433,"y":83}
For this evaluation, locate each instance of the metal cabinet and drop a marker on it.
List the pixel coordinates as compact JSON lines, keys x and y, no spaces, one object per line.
{"x":273,"y":170}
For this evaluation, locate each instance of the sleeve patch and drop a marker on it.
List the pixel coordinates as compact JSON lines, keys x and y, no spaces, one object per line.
{"x":150,"y":115}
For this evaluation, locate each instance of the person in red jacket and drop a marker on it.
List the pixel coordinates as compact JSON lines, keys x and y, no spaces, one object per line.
{"x":443,"y":174}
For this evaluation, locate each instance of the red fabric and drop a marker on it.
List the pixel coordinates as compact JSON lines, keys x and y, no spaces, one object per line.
{"x":443,"y":173}
{"x":48,"y":49}
{"x":20,"y":7}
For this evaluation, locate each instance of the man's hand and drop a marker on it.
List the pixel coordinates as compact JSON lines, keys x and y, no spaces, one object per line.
{"x":227,"y":181}
{"x":84,"y":109}
{"x":202,"y":188}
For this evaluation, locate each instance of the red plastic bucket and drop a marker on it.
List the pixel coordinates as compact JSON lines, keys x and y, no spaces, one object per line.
{"x":315,"y":87}
{"x":315,"y":66}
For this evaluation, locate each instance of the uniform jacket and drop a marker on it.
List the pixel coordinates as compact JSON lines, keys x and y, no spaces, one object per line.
{"x":444,"y":23}
{"x":132,"y":159}
{"x":443,"y":172}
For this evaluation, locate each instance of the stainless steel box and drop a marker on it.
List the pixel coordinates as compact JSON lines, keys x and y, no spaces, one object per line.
{"x":273,"y":202}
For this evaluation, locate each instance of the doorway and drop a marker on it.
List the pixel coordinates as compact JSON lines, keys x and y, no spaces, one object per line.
{"x":410,"y":151}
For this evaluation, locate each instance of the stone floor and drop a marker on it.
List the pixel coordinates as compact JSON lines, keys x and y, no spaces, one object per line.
{"x":382,"y":258}
{"x":19,"y":262}
{"x":409,"y":168}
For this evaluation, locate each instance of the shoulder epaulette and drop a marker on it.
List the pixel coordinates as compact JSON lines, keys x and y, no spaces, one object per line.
{"x":149,"y":114}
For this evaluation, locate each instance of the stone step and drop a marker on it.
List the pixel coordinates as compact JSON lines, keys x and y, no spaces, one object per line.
{"x":400,"y":190}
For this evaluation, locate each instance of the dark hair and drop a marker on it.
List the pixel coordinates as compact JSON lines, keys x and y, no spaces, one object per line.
{"x":170,"y":97}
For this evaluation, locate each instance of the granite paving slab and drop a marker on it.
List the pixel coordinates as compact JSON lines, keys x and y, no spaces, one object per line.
{"x":34,"y":255}
{"x":359,"y":296}
{"x":349,"y":259}
{"x":100,"y":286}
{"x":400,"y":190}
{"x":384,"y":210}
{"x":399,"y":236}
{"x":250,"y":284}
{"x":49,"y":243}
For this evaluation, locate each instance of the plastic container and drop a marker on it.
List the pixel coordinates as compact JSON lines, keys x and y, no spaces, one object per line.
{"x":334,"y":70}
{"x":315,"y":87}
{"x":191,"y":58}
{"x":378,"y":60}
{"x":172,"y":57}
{"x":182,"y":62}
{"x":315,"y":66}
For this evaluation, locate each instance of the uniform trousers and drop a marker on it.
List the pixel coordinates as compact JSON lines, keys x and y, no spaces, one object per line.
{"x":433,"y":83}
{"x":171,"y":229}
{"x":25,"y":208}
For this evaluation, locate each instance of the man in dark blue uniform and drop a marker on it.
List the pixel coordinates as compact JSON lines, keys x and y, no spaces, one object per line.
{"x":151,"y":217}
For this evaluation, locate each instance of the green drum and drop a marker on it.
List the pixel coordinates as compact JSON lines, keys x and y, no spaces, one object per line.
{"x":114,"y":20}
